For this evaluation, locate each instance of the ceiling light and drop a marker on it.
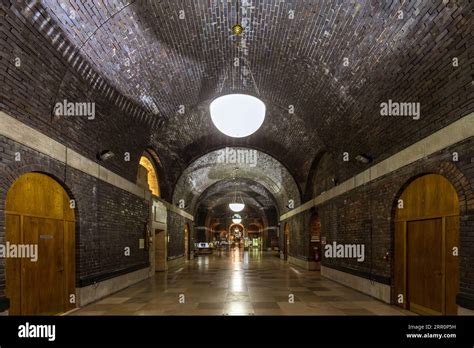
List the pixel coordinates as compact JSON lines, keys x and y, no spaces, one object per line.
{"x":236,"y":207}
{"x":236,"y":219}
{"x":237,"y":115}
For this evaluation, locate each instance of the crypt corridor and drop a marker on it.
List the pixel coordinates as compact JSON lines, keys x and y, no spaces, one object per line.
{"x":247,"y":157}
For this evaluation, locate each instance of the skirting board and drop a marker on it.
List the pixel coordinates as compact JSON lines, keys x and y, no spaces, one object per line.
{"x":366,"y":286}
{"x":91,"y":293}
{"x":307,"y":265}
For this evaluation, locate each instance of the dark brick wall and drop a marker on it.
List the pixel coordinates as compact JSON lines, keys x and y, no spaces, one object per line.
{"x":365,"y":215}
{"x":299,"y":237}
{"x":122,"y":220}
{"x":108,"y":218}
{"x":176,"y":225}
{"x":337,"y":106}
{"x":45,"y":76}
{"x":322,"y":176}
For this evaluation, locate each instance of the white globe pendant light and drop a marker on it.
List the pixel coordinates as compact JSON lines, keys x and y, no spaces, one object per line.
{"x":236,"y":219}
{"x":236,"y":207}
{"x":237,"y":115}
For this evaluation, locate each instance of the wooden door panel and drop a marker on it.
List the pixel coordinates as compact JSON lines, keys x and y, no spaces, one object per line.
{"x":13,"y":265}
{"x":30,"y":278}
{"x":38,"y":213}
{"x":424,"y":265}
{"x":428,"y":196}
{"x":51,"y":266}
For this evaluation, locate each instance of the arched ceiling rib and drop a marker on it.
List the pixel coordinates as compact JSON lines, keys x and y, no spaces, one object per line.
{"x":215,"y":167}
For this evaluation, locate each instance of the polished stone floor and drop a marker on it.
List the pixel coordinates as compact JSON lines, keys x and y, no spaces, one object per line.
{"x":238,"y":283}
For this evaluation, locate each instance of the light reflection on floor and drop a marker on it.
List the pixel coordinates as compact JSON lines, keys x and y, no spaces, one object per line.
{"x":238,"y":283}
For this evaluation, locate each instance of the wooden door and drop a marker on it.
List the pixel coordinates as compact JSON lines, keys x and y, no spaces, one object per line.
{"x":426,"y":242}
{"x":39,"y":215}
{"x":424,"y":266}
{"x":160,"y":250}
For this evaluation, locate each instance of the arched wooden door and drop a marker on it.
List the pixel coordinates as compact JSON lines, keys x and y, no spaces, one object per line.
{"x":39,"y":215}
{"x":426,"y":247}
{"x":286,"y":241}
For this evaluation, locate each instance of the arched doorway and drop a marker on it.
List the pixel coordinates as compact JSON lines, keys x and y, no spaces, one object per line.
{"x":148,"y":174}
{"x":236,"y":235}
{"x":186,"y":241}
{"x":286,"y":241}
{"x":426,"y":267}
{"x":40,"y":214}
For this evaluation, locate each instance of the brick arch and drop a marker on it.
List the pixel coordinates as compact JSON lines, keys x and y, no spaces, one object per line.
{"x":453,"y":174}
{"x":12,"y":173}
{"x":162,"y":167}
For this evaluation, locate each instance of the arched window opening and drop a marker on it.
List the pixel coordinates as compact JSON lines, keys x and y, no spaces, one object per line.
{"x":147,"y":174}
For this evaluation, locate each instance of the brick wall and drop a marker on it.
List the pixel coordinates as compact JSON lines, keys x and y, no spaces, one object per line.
{"x":176,"y":225}
{"x":364,"y":215}
{"x":29,"y":92}
{"x":299,"y":237}
{"x":108,"y":218}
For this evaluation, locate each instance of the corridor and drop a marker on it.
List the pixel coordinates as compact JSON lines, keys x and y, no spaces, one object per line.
{"x":236,"y":157}
{"x":238,"y":283}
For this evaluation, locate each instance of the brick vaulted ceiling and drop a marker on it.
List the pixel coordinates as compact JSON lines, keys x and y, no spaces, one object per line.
{"x":168,"y":53}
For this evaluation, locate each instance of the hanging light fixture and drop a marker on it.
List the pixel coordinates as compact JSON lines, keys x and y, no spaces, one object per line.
{"x":236,"y":205}
{"x":236,"y":219}
{"x":237,"y":115}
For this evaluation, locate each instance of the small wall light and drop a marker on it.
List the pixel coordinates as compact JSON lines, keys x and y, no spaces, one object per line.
{"x":105,"y":155}
{"x":363,"y":159}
